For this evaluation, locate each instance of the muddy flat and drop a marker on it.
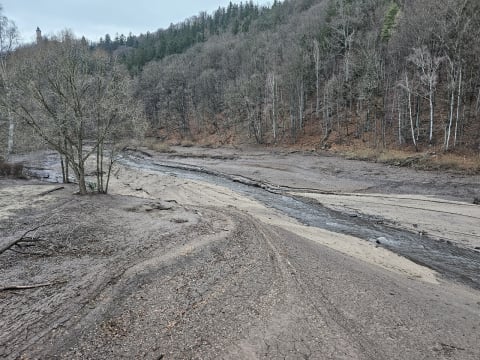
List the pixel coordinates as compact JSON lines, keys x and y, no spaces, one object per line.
{"x":170,"y":266}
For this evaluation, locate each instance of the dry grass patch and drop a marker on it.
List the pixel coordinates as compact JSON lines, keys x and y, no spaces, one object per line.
{"x":457,"y":162}
{"x":157,"y":145}
{"x":367,"y":154}
{"x":187,"y":143}
{"x":426,"y":160}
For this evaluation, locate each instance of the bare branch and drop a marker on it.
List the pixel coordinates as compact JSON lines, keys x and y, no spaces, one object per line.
{"x":26,"y":287}
{"x":10,"y":243}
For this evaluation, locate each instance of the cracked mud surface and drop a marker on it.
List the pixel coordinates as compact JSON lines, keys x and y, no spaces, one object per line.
{"x":171,"y":268}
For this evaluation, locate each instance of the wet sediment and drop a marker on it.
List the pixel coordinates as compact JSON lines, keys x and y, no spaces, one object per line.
{"x":449,"y":260}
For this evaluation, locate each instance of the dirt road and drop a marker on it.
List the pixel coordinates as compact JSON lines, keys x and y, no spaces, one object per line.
{"x":168,"y":268}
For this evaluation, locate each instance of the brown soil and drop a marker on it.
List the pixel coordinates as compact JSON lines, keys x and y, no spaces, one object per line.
{"x":170,"y":268}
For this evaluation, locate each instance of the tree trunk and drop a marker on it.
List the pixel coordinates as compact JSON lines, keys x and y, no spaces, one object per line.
{"x":477,"y":106}
{"x":409,"y":94}
{"x":270,"y":95}
{"x":81,"y":164}
{"x":65,"y":171}
{"x":316,"y":55}
{"x":64,"y":164}
{"x":430,"y":99}
{"x":337,"y":111}
{"x":399,"y":106}
{"x":325,"y":110}
{"x":301,"y":95}
{"x":457,"y":119}
{"x":293,"y":123}
{"x":448,"y":129}
{"x":274,"y":114}
{"x":110,"y":166}
{"x":11,"y":134}
{"x":99,"y":168}
{"x":82,"y":185}
{"x":417,"y":118}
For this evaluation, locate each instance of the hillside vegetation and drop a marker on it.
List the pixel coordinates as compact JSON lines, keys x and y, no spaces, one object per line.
{"x":379,"y":74}
{"x":388,"y":73}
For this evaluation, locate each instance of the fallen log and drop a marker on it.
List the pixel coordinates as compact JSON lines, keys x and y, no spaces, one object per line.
{"x":51,"y":191}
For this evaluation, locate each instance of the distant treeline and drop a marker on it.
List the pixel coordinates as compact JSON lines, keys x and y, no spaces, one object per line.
{"x":236,"y":18}
{"x":388,"y":72}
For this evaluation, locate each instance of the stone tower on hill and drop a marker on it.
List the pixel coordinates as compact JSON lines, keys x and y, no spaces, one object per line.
{"x":39,"y":35}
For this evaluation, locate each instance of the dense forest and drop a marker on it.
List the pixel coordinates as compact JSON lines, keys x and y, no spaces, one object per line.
{"x":390,"y":73}
{"x":383,"y":73}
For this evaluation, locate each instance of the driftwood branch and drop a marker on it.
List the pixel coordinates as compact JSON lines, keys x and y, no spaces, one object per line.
{"x":26,"y":287}
{"x":127,"y":148}
{"x":51,"y":191}
{"x":12,"y":242}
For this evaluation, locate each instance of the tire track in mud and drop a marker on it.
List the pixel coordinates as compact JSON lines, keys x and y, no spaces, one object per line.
{"x":235,"y":287}
{"x":387,"y":316}
{"x":45,"y":313}
{"x":300,"y":325}
{"x":319,"y":319}
{"x":227,"y":276}
{"x":286,"y":321}
{"x":348,"y":337}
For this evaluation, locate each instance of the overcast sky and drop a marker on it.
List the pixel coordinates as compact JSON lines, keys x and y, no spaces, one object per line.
{"x":95,"y":18}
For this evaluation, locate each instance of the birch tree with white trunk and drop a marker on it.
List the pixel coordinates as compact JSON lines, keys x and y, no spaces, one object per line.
{"x":405,"y":84}
{"x":428,"y":66}
{"x":316,"y":57}
{"x":270,"y":102}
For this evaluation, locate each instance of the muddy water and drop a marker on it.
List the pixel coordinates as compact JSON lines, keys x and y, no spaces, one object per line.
{"x":454,"y":263}
{"x":44,"y":167}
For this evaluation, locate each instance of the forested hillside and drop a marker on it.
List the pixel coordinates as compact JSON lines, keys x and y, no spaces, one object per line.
{"x":381,"y":73}
{"x":236,"y":18}
{"x":386,"y":72}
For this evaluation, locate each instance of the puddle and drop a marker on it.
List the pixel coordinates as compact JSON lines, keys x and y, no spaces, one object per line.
{"x":43,"y":168}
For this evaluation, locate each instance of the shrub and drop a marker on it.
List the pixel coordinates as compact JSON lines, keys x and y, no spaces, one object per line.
{"x":11,"y":170}
{"x":186,"y":143}
{"x":158,"y":146}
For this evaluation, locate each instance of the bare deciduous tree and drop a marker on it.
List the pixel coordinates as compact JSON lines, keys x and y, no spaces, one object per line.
{"x":428,"y":65}
{"x":270,"y":102}
{"x":71,"y":96}
{"x":409,"y":90}
{"x":316,"y":57}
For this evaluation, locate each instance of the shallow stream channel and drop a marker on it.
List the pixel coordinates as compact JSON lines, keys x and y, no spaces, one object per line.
{"x":450,"y":261}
